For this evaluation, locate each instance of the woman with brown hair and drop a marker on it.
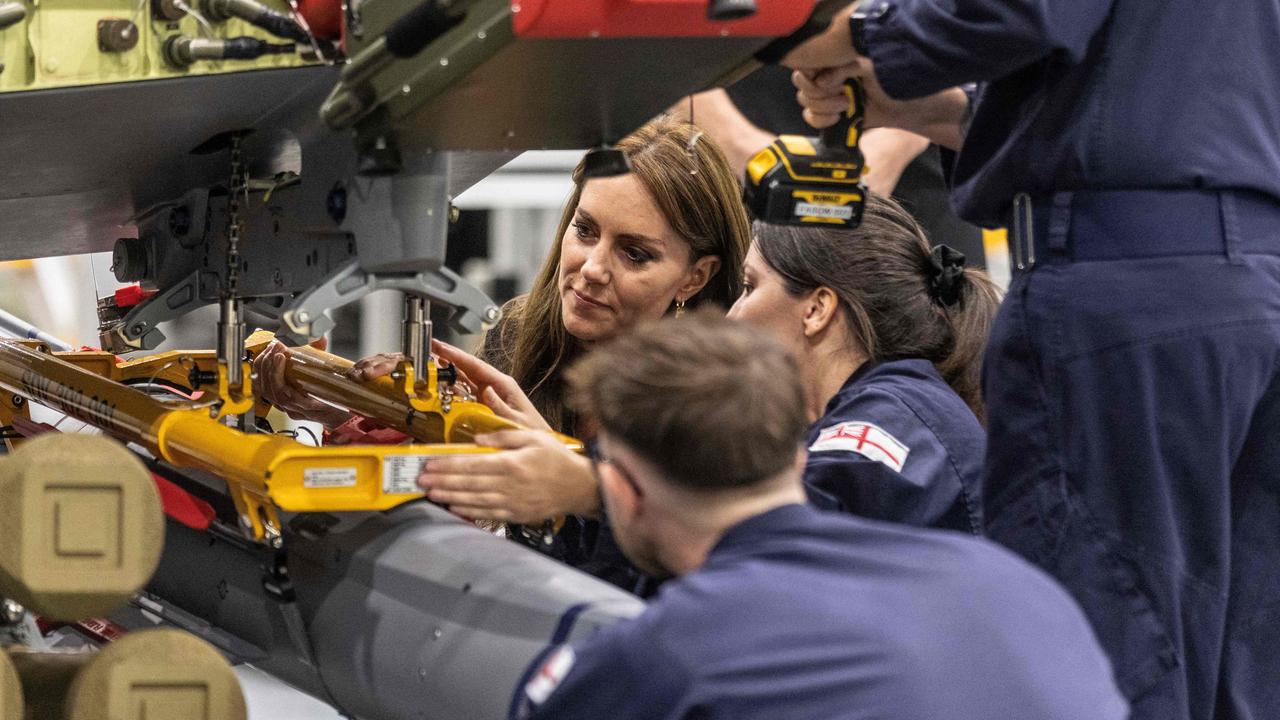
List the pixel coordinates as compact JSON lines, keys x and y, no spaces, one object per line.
{"x":670,"y":235}
{"x":889,"y":336}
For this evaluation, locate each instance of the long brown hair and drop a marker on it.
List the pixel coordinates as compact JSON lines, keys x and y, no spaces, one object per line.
{"x":694,"y":187}
{"x":881,"y":272}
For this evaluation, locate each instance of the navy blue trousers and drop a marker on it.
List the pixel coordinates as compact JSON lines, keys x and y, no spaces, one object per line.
{"x":1133,"y":394}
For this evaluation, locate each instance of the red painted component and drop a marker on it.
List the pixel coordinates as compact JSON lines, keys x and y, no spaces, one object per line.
{"x":176,"y":502}
{"x":132,"y":295}
{"x":101,"y":630}
{"x":28,"y":428}
{"x":324,"y":17}
{"x":651,"y":18}
{"x":183,"y":506}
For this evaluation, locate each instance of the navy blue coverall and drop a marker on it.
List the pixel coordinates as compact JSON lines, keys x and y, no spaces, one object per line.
{"x":799,"y":613}
{"x":1133,"y":376}
{"x":897,"y":444}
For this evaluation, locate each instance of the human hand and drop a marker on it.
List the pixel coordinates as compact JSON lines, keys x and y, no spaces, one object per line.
{"x":374,"y":366}
{"x":936,"y":117}
{"x":494,"y":388}
{"x":271,"y":385}
{"x":533,"y":478}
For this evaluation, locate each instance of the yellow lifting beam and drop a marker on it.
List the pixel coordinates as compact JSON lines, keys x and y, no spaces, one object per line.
{"x":264,"y":472}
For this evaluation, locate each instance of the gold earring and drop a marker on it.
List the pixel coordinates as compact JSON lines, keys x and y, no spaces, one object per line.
{"x":679,"y":307}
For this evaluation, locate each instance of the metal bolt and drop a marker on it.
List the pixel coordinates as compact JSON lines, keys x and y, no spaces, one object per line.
{"x":11,"y":612}
{"x":515,"y":8}
{"x":454,"y":213}
{"x":138,"y":328}
{"x":304,"y":316}
{"x":437,"y":633}
{"x":511,"y":133}
{"x":594,"y":33}
{"x":406,"y":89}
{"x":17,"y":401}
{"x":724,"y":32}
{"x":422,"y":674}
{"x":444,"y":62}
{"x":492,"y":314}
{"x":481,"y":35}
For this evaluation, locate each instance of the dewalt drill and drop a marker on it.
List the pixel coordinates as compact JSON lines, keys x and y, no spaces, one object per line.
{"x":803,"y":180}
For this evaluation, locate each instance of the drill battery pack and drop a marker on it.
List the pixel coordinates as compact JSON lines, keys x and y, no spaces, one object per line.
{"x":800,"y":180}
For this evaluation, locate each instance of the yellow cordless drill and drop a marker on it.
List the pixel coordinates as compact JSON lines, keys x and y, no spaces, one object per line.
{"x":804,"y":180}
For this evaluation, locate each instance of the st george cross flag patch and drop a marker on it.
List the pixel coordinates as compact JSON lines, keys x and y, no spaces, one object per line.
{"x":870,"y":441}
{"x":550,"y":675}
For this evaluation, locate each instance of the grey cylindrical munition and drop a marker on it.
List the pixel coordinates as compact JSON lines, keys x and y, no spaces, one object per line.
{"x":10,"y":690}
{"x":81,"y":524}
{"x":160,"y":673}
{"x":410,"y":613}
{"x":12,"y":13}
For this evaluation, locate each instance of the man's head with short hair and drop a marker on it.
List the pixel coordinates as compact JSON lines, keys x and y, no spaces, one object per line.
{"x":710,"y":409}
{"x":711,"y":402}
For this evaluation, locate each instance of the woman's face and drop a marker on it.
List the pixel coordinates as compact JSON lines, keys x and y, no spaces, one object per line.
{"x":621,"y":262}
{"x":766,"y":303}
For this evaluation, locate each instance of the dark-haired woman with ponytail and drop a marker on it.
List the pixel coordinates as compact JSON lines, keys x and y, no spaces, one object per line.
{"x":889,"y":334}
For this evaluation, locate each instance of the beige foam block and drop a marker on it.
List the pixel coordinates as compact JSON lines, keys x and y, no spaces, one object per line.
{"x":10,"y":690}
{"x":81,"y":528}
{"x":159,"y":673}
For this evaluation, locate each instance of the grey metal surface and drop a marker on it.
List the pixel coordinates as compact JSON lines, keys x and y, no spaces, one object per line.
{"x":410,"y":614}
{"x":76,"y":164}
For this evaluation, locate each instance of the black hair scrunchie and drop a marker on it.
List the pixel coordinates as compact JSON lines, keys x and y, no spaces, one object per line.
{"x":946,"y":275}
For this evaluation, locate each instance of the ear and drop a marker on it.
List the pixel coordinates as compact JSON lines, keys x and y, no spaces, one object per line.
{"x":820,"y":310}
{"x":703,"y":269}
{"x":621,"y":498}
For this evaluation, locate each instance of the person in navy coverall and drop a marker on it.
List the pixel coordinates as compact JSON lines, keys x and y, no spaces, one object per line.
{"x":1133,"y":375}
{"x":880,"y":324}
{"x":781,"y":610}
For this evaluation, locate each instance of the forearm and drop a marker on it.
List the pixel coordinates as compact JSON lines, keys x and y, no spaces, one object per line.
{"x":943,"y":119}
{"x":888,"y":152}
{"x":715,"y":113}
{"x":920,"y":47}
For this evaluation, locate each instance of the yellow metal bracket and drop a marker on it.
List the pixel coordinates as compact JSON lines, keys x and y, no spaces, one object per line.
{"x":233,"y":401}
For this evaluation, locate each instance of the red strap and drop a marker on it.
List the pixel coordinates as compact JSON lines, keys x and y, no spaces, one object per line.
{"x":360,"y":430}
{"x":183,"y":506}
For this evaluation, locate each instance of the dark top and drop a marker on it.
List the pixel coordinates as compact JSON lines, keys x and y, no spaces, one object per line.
{"x":897,"y":444}
{"x":1094,"y":94}
{"x":803,"y":614}
{"x":582,"y":543}
{"x":767,"y":98}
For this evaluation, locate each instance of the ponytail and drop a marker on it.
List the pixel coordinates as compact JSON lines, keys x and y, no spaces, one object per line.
{"x":970,"y":320}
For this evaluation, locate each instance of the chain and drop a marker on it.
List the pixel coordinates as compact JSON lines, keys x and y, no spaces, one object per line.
{"x":239,"y":186}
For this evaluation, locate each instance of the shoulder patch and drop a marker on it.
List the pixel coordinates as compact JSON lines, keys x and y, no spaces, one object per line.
{"x":869,"y":441}
{"x":550,"y":675}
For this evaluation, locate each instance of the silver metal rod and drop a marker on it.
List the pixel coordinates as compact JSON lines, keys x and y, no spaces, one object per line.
{"x":17,"y":327}
{"x":231,"y":340}
{"x":411,"y":336}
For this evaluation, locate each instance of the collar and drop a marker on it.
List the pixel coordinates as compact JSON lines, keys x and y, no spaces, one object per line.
{"x":863,"y":370}
{"x":749,"y":533}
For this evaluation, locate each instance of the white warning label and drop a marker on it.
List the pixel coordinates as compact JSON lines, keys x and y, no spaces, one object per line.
{"x":329,"y":477}
{"x":843,"y":212}
{"x":400,"y":473}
